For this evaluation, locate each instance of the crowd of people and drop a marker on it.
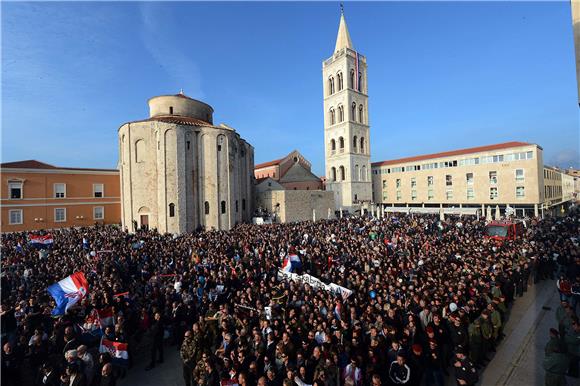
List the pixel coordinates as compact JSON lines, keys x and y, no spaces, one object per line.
{"x":429,"y":299}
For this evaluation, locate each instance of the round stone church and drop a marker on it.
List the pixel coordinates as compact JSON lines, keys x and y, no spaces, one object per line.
{"x":180,"y":172}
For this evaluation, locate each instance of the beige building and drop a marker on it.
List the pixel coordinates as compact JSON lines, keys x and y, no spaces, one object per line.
{"x":294,"y":205}
{"x":180,"y":172}
{"x":346,"y":124}
{"x":481,"y":178}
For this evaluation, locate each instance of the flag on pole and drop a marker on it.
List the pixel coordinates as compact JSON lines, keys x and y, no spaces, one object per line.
{"x":68,"y":292}
{"x":119,"y":351}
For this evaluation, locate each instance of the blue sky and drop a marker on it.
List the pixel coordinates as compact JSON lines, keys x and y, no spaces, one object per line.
{"x":441,"y":75}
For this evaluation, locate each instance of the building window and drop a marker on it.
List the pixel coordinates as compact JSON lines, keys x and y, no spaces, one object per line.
{"x":398,"y":195}
{"x":360,"y":81}
{"x":236,"y":206}
{"x":469,"y":178}
{"x":493,"y":178}
{"x":429,"y":180}
{"x":171,"y":110}
{"x":398,"y":183}
{"x":384,"y":184}
{"x":139,"y":151}
{"x":15,"y":189}
{"x":59,"y":190}
{"x":413,"y":195}
{"x":188,"y":144}
{"x":341,"y":143}
{"x":363,"y":173}
{"x":59,"y":214}
{"x":223,"y":205}
{"x":342,"y":173}
{"x":340,"y":113}
{"x":351,"y":79}
{"x":340,"y":83}
{"x":243,"y":204}
{"x":448,"y":180}
{"x":206,"y":207}
{"x":333,"y":174}
{"x":470,"y":194}
{"x":172,"y":210}
{"x":354,"y":144}
{"x":99,"y":213}
{"x":384,"y":196}
{"x":430,"y":195}
{"x":353,"y":112}
{"x":492,"y":193}
{"x":449,"y":194}
{"x":520,"y":192}
{"x":413,"y":182}
{"x":355,"y":174}
{"x":519,"y":174}
{"x":98,"y":190}
{"x":362,"y":145}
{"x":332,"y":116}
{"x":15,"y":216}
{"x":331,"y":85}
{"x":360,"y":113}
{"x":332,"y":145}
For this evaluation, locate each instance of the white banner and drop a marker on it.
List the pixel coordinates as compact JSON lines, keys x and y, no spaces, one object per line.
{"x":316,"y":283}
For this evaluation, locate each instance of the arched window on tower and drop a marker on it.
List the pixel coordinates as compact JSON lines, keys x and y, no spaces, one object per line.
{"x":355,"y":174}
{"x":353,"y":112}
{"x":360,"y":81}
{"x":331,"y":85}
{"x":363,"y":173}
{"x":354,"y":144}
{"x":223,"y":204}
{"x":342,"y":173}
{"x":341,"y":144}
{"x":351,"y":82}
{"x":172,"y":210}
{"x":340,"y":83}
{"x":332,"y":116}
{"x":362,"y":145}
{"x":206,"y":207}
{"x":340,"y":113}
{"x":332,"y":145}
{"x":333,"y":174}
{"x":140,"y":151}
{"x":360,"y":113}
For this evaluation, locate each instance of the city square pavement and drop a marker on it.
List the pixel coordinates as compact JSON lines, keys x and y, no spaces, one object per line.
{"x":517,"y":362}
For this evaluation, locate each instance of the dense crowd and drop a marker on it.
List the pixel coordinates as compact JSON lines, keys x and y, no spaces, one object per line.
{"x":428,"y":297}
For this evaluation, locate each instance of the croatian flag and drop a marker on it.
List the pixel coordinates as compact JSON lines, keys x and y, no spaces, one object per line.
{"x":106,"y":317}
{"x":41,"y":241}
{"x":291,"y":263}
{"x":68,"y":292}
{"x":117,"y":350}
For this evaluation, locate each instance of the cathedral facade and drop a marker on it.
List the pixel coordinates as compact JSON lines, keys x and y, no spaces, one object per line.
{"x":180,"y":172}
{"x":346,"y":124}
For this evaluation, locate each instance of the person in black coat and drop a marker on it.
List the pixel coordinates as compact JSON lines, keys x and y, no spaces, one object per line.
{"x":157,"y":330}
{"x":11,"y":362}
{"x":107,"y":377}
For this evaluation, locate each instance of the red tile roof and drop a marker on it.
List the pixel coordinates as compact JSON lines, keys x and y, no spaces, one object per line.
{"x":267,"y":164}
{"x":34,"y":164}
{"x":499,"y":146}
{"x":177,"y":119}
